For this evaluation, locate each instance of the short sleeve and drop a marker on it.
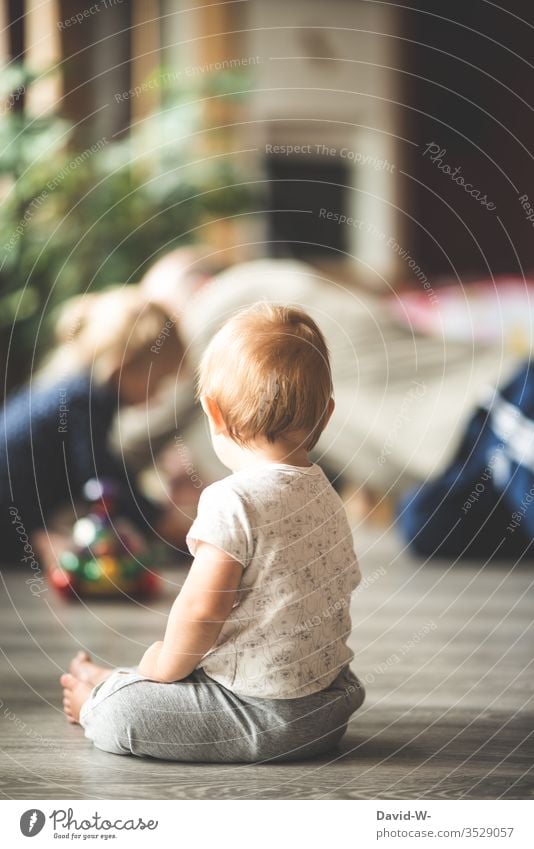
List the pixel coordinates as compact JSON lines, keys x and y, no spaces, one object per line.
{"x":222,"y":521}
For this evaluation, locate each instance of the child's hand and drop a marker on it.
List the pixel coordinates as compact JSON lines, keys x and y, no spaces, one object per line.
{"x":49,"y":545}
{"x":173,"y":527}
{"x":149,"y":661}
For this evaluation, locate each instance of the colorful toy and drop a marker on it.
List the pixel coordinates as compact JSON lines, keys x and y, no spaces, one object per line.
{"x":106,"y":556}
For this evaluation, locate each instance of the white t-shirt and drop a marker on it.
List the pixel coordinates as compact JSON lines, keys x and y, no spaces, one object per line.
{"x":286,"y":635}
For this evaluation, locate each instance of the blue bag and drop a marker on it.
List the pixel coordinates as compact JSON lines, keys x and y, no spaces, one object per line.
{"x":482,"y":506}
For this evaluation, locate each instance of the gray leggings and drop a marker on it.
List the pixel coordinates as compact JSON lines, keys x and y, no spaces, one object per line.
{"x":198,"y":719}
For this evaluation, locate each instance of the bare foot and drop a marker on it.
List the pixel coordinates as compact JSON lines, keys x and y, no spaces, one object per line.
{"x":75,"y":693}
{"x":83,"y":668}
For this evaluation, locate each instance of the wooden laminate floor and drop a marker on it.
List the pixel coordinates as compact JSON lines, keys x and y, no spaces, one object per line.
{"x":446,"y":651}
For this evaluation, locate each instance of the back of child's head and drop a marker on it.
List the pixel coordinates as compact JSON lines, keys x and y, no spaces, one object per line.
{"x":117,"y":328}
{"x":268,"y":371}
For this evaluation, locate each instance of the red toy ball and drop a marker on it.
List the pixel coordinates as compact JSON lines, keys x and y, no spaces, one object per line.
{"x":107,"y":553}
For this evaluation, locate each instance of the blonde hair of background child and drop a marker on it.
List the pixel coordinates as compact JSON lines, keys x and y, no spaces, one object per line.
{"x":110,"y":330}
{"x":268,"y":370}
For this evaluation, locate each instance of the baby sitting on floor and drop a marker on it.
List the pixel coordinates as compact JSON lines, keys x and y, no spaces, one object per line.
{"x":254,"y":663}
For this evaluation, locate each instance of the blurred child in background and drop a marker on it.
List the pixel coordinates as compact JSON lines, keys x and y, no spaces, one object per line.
{"x":114,"y":350}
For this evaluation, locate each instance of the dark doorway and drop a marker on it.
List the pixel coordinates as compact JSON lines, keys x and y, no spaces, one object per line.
{"x":298,"y":190}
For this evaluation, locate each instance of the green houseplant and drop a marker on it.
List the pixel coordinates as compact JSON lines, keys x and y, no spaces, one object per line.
{"x":77,"y":219}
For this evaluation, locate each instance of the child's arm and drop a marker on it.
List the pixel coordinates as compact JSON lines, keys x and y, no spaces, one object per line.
{"x":196,"y":617}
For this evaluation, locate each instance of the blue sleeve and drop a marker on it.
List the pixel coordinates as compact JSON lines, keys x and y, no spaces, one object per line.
{"x":89,"y":454}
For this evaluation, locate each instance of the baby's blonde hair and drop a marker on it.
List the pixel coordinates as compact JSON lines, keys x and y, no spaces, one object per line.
{"x":112,"y":329}
{"x":268,"y":370}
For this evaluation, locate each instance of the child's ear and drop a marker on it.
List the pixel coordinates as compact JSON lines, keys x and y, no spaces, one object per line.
{"x":329,"y":410}
{"x":213,"y":412}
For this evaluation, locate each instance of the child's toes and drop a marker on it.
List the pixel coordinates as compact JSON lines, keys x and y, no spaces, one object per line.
{"x":67,"y":680}
{"x":69,"y":715}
